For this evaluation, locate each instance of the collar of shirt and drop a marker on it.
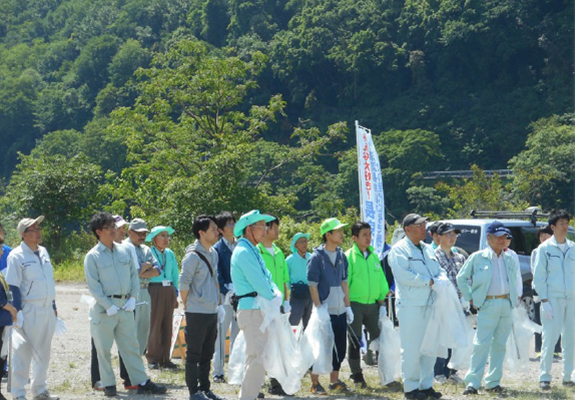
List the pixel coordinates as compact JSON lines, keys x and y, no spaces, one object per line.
{"x":231,"y":246}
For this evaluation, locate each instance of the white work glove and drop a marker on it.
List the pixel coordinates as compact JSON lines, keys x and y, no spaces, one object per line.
{"x":19,"y":319}
{"x":228,"y":298}
{"x":547,"y":310}
{"x":130,"y":304}
{"x":113,"y":310}
{"x":221,"y":314}
{"x":349,"y":315}
{"x":230,"y":287}
{"x":382,"y":311}
{"x":465,"y":304}
{"x":287,"y":306}
{"x":278,"y":299}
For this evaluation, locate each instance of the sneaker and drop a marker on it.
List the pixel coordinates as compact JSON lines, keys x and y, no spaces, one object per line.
{"x":440,"y":379}
{"x":338,"y":386}
{"x":496,"y":389}
{"x":219,"y":379}
{"x":199,"y":395}
{"x":153,"y":365}
{"x":317,"y":388}
{"x":543,"y":385}
{"x":45,"y":395}
{"x":456,"y":379}
{"x":110,"y":391}
{"x":569,"y":383}
{"x":261,"y":395}
{"x":19,"y":398}
{"x":151,"y":388}
{"x":169,"y":365}
{"x":97,"y":386}
{"x":415,"y":395}
{"x":276,"y":390}
{"x":469,"y":390}
{"x":211,"y":395}
{"x":358,"y":380}
{"x":431,"y":393}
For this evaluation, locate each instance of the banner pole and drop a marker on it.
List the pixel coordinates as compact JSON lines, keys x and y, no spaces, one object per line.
{"x":361,"y":210}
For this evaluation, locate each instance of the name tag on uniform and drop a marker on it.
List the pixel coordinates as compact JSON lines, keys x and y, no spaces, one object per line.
{"x":9,"y":296}
{"x":166,"y":283}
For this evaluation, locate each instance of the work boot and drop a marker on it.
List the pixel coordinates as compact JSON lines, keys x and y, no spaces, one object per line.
{"x":151,"y":388}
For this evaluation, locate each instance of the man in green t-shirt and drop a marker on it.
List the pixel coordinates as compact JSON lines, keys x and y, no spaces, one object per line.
{"x":276,"y":263}
{"x":367,"y":290}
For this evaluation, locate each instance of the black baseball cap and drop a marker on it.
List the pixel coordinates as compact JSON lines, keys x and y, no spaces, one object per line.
{"x":433,"y":227}
{"x":446,"y":227}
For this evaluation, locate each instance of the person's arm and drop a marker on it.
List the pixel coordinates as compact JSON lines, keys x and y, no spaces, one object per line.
{"x":134,"y":278}
{"x":314,"y":296}
{"x":313,"y":277}
{"x":402,"y":271}
{"x":256,"y":276}
{"x":190,"y":264}
{"x":540,"y":274}
{"x":345,"y":288}
{"x":184,"y":297}
{"x":93,"y":281}
{"x":463,"y":278}
{"x":5,"y":304}
{"x":14,"y":279}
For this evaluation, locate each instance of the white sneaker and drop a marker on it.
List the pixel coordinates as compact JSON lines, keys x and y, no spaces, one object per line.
{"x":440,"y":379}
{"x":45,"y":395}
{"x":456,"y":379}
{"x":19,"y":398}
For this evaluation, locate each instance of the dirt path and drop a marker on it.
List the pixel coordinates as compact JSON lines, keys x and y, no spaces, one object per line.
{"x":69,"y":374}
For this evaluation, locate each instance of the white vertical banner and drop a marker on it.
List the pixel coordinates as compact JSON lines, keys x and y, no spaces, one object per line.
{"x":370,"y":187}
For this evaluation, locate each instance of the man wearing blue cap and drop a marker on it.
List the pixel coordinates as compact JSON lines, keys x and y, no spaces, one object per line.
{"x":327,"y":272}
{"x":251,"y":278}
{"x":493,"y":291}
{"x":554,"y":281}
{"x":416,"y":270}
{"x":300,"y":298}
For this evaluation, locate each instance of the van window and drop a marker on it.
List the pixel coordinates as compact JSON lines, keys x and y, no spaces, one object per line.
{"x":517,"y":242}
{"x":469,"y":239}
{"x":530,"y":236}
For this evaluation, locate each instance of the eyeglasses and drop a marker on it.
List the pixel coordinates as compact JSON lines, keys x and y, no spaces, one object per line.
{"x":264,"y":227}
{"x":452,"y":235}
{"x":231,"y":224}
{"x":419,"y":225}
{"x":32,"y":230}
{"x":110,"y":227}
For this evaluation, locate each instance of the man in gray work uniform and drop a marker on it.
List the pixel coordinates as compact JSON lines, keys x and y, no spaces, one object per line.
{"x":148,"y":267}
{"x":112,"y":278}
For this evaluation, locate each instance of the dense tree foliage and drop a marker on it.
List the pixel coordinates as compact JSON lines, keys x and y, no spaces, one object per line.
{"x":185,"y":105}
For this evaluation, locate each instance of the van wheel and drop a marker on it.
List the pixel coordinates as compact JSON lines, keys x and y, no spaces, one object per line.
{"x":528,"y":303}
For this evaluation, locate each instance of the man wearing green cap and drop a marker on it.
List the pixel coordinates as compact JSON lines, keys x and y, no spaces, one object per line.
{"x":164,"y":295}
{"x":300,"y":298}
{"x":367,"y":290}
{"x":275,"y":263}
{"x":251,"y":278}
{"x":327,"y":271}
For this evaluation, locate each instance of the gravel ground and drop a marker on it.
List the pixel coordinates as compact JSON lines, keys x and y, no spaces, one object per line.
{"x":69,"y":374}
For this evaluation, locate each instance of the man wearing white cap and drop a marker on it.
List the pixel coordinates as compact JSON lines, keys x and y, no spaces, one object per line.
{"x":149,"y":268}
{"x":31,"y":279}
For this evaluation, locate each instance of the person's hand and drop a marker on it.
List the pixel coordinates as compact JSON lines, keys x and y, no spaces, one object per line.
{"x":382,"y":311}
{"x":465,"y":304}
{"x":322,"y":312}
{"x":221,"y":314}
{"x":13,"y":312}
{"x":278,"y":299}
{"x":113,"y":310}
{"x":349,"y":315}
{"x":146,"y":266}
{"x":19,"y":319}
{"x":547,"y":310}
{"x":286,"y":306}
{"x":130,"y":304}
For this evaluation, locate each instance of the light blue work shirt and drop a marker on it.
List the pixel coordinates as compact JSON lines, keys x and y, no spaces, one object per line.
{"x":413,"y":268}
{"x":554,"y":271}
{"x":297,"y":267}
{"x":168,"y":266}
{"x":249,"y":274}
{"x":474,"y":278}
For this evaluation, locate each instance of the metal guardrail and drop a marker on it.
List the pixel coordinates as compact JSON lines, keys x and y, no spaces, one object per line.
{"x":503,"y":173}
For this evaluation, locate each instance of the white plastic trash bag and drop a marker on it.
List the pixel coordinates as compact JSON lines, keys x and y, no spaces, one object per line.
{"x":5,"y":342}
{"x":60,"y":328}
{"x":237,"y":360}
{"x":517,"y":349}
{"x":446,"y":327}
{"x":281,"y":352}
{"x":389,"y":346}
{"x":461,"y":356}
{"x":317,"y":343}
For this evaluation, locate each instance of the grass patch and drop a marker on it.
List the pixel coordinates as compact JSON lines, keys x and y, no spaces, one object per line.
{"x":69,"y":271}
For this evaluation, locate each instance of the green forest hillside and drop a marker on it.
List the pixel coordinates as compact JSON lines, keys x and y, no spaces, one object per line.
{"x":167,"y":108}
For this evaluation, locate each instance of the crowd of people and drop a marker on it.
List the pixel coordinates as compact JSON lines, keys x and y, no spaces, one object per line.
{"x":233,"y":264}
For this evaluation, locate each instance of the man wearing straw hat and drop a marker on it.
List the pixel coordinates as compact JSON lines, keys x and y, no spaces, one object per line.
{"x":164,"y":295}
{"x":251,"y":278}
{"x":31,"y":279}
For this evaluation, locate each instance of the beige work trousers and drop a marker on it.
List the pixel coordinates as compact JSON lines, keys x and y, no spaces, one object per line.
{"x":249,"y":321}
